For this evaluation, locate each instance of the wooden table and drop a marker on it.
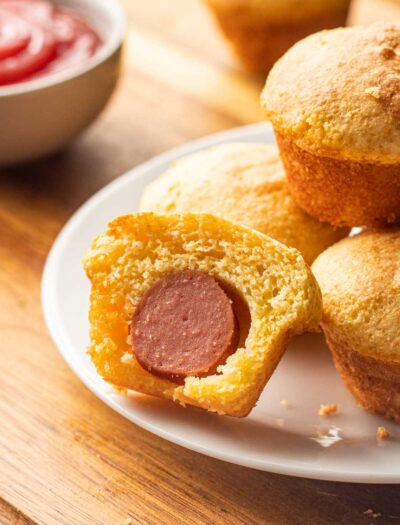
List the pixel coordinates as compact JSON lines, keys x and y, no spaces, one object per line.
{"x":65,"y":457}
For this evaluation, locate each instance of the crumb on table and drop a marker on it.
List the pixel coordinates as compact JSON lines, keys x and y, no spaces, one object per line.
{"x":284,"y":402}
{"x":327,"y":410}
{"x":372,"y":513}
{"x":382,"y":433}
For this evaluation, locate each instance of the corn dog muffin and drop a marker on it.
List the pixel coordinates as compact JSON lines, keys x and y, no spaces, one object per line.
{"x":260,"y":31}
{"x":334,"y":103}
{"x":244,"y":183}
{"x":195,"y":309}
{"x":360,"y":282}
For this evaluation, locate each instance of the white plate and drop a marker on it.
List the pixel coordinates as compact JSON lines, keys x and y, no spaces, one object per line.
{"x":289,"y":440}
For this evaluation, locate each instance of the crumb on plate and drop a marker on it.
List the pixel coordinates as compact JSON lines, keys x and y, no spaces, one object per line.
{"x":327,"y":410}
{"x":382,"y":433}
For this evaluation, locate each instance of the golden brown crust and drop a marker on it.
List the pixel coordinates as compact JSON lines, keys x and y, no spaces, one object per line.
{"x":244,"y":183}
{"x":336,"y":94}
{"x":342,"y":192}
{"x":360,"y":282}
{"x":374,"y":383}
{"x":259,"y":42}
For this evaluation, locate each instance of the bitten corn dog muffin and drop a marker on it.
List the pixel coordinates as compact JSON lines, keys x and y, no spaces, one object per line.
{"x":194,"y":308}
{"x":244,"y":183}
{"x":334,"y":103}
{"x":360,"y":282}
{"x":260,"y":31}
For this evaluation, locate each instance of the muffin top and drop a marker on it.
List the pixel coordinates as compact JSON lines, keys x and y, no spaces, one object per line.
{"x":360,"y":283}
{"x":244,"y":183}
{"x":337,"y":94}
{"x":280,"y":10}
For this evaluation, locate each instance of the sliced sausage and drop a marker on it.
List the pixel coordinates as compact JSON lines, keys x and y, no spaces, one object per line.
{"x":184,"y":326}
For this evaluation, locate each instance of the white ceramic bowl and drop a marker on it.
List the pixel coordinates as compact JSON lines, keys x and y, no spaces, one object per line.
{"x":43,"y":116}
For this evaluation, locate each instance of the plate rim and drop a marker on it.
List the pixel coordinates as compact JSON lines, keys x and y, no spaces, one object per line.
{"x":345,"y":476}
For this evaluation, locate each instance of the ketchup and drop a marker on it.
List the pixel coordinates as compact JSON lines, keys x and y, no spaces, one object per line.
{"x":38,"y":38}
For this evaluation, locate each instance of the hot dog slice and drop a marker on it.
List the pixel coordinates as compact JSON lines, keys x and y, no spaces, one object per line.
{"x":184,"y":326}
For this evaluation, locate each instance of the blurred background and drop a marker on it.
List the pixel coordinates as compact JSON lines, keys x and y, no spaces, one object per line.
{"x":179,"y":81}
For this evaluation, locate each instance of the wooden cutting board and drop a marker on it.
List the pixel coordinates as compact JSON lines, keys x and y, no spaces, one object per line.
{"x":65,"y":457}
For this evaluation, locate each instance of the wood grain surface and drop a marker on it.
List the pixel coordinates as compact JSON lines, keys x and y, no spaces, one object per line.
{"x":65,"y":457}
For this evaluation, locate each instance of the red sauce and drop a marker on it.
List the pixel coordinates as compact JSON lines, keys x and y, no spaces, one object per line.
{"x":38,"y":38}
